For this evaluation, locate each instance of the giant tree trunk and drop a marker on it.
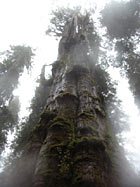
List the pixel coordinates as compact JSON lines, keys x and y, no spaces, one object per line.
{"x":77,"y":149}
{"x":73,"y":152}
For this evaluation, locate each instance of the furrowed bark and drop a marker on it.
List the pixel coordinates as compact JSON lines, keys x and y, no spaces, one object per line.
{"x":74,"y":149}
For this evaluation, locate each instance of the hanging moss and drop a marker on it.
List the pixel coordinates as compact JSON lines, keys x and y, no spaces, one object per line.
{"x":81,"y":157}
{"x":65,"y":163}
{"x":62,"y":155}
{"x":99,"y":111}
{"x":66,"y":94}
{"x":62,"y":152}
{"x":90,"y":151}
{"x":62,"y":123}
{"x":66,"y":127}
{"x":90,"y":143}
{"x":47,"y":115}
{"x":56,"y":148}
{"x":87,"y":131}
{"x":57,"y":162}
{"x":95,"y":98}
{"x":87,"y":114}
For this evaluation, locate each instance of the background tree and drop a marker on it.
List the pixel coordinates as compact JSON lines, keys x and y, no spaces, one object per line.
{"x":14,"y":173}
{"x":37,"y":106}
{"x":123,"y":27}
{"x":12,"y":66}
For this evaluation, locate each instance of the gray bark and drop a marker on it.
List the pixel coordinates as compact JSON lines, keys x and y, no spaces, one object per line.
{"x":72,"y":146}
{"x":73,"y":152}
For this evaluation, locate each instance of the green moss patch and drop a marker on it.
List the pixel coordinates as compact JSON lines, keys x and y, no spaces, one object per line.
{"x":47,"y":115}
{"x":87,"y":130}
{"x":86,"y":114}
{"x":66,"y":94}
{"x":99,"y":111}
{"x":63,"y":123}
{"x":92,"y":96}
{"x":89,"y":143}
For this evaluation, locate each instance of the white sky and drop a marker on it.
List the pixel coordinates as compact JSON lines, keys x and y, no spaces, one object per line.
{"x":131,"y":137}
{"x":25,"y":22}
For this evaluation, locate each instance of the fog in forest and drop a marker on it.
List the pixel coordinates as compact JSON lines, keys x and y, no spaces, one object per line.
{"x":29,"y":47}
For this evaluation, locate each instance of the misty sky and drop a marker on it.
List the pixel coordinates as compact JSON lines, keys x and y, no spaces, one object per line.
{"x":25,"y":22}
